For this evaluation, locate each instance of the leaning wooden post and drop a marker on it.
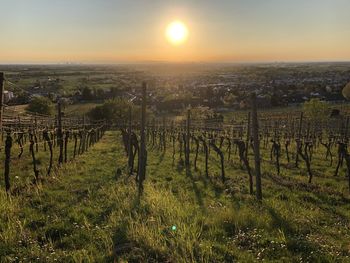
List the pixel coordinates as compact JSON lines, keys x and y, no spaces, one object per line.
{"x":75,"y":135}
{"x":1,"y":97}
{"x":299,"y":139}
{"x":188,"y":120}
{"x":35,"y":121}
{"x":59,"y":132}
{"x":36,"y":140}
{"x":130,"y":156}
{"x":205,"y":147}
{"x":19,"y":121}
{"x":66,"y":138}
{"x":164,"y":134}
{"x":346,"y":130}
{"x":84,"y":122}
{"x":248,"y":137}
{"x":31,"y":149}
{"x":143,"y":153}
{"x":49,"y":143}
{"x":255,"y":131}
{"x":8,"y":145}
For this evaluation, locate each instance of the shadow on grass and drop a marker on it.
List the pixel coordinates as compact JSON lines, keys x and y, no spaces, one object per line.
{"x":202,"y":177}
{"x":133,"y":251}
{"x":125,"y":247}
{"x":214,"y":184}
{"x":296,"y":242}
{"x":196,"y":190}
{"x":121,"y":243}
{"x":180,"y":165}
{"x":161,"y":157}
{"x":326,"y":194}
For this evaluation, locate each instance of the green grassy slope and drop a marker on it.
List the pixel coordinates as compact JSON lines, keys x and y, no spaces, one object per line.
{"x":71,"y":109}
{"x":88,"y":214}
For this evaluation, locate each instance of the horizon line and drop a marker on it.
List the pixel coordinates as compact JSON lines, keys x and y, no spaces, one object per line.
{"x":67,"y":63}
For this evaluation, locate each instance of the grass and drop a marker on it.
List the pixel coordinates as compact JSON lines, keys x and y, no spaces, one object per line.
{"x":80,"y":108}
{"x":89,"y":213}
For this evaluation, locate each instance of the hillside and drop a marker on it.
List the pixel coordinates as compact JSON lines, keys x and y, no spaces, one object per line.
{"x":90,"y":213}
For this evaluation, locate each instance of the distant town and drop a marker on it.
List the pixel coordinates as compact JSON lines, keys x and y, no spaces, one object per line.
{"x":175,"y":86}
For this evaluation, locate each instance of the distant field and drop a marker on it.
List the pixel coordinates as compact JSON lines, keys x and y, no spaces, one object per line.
{"x":80,"y":108}
{"x":67,"y":79}
{"x":17,"y":108}
{"x":72,"y":109}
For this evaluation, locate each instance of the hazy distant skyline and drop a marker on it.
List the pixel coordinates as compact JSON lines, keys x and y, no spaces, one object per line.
{"x":111,"y":31}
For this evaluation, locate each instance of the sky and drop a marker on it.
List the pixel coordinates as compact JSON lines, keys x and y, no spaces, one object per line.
{"x":116,"y":31}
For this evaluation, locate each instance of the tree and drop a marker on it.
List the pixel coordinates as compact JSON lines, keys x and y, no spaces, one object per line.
{"x":276,"y":100}
{"x":87,"y":94}
{"x":316,"y":109}
{"x":41,"y":105}
{"x":200,"y":113}
{"x":114,"y":92}
{"x":346,"y":91}
{"x":99,"y":93}
{"x":230,"y":99}
{"x":115,"y":110}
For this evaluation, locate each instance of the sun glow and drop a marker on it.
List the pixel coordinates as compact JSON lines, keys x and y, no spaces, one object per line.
{"x":176,"y":32}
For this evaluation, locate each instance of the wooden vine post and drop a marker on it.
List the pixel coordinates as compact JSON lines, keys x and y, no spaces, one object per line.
{"x":143,"y":153}
{"x":84,"y":122}
{"x":20,"y":144}
{"x":59,"y":132}
{"x":299,"y":139}
{"x":8,"y":145}
{"x":31,"y":149}
{"x":1,"y":97}
{"x":187,"y":152}
{"x":66,"y":138}
{"x":49,"y":143}
{"x":130,"y":155}
{"x":173,"y":140}
{"x":345,"y":138}
{"x":248,"y":137}
{"x":206,"y":151}
{"x":75,"y":136}
{"x":164,"y":134}
{"x":196,"y":140}
{"x":255,"y":132}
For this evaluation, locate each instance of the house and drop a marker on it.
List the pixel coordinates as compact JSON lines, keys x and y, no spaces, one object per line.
{"x":8,"y":95}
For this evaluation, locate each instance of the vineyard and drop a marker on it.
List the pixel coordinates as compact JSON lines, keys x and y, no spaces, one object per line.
{"x":288,"y":141}
{"x":33,"y":140}
{"x":262,"y":186}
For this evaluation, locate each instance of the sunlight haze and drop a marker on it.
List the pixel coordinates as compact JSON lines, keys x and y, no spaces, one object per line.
{"x":107,"y":31}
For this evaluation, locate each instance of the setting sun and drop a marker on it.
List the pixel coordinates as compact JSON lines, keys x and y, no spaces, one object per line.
{"x":176,"y":32}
